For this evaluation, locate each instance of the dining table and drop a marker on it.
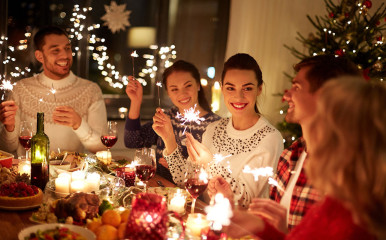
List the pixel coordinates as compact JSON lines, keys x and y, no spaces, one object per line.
{"x":12,"y":222}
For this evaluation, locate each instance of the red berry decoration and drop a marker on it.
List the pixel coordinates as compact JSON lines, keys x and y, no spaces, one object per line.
{"x":331,"y":14}
{"x":367,"y":4}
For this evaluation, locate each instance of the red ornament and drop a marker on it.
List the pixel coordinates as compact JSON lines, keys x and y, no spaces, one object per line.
{"x":365,"y":74}
{"x":346,"y":15}
{"x":339,"y":52}
{"x":379,"y":38}
{"x":367,"y":4}
{"x":331,"y":15}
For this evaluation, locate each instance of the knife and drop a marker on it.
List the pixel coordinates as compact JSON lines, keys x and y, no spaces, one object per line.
{"x":160,"y":183}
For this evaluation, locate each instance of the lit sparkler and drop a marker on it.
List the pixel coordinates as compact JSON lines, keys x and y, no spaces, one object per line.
{"x":217,"y":158}
{"x":6,"y":86}
{"x":259,"y":172}
{"x":159,"y":85}
{"x":133,"y":55}
{"x":274,"y":183}
{"x":190,"y":115}
{"x":219,"y":213}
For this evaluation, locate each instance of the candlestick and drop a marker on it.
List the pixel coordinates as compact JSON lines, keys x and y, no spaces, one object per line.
{"x":24,"y":167}
{"x":92,"y":182}
{"x":196,"y":223}
{"x":77,"y":186}
{"x":62,"y":184}
{"x":177,"y":201}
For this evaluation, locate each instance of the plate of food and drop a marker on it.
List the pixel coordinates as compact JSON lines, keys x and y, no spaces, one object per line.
{"x":65,"y":231}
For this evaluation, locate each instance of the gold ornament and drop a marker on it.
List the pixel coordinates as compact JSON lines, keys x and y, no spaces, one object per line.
{"x":378,"y":66}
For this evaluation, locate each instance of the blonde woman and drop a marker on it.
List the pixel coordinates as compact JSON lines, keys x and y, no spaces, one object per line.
{"x":346,"y":142}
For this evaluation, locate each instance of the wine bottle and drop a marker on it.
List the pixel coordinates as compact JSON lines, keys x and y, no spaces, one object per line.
{"x":40,"y":148}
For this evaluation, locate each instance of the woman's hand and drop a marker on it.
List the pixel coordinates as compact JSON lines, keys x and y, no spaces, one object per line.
{"x":219,"y":185}
{"x":244,"y":224}
{"x":272,"y":211}
{"x":134,"y":90}
{"x":198,"y":152}
{"x":162,"y":125}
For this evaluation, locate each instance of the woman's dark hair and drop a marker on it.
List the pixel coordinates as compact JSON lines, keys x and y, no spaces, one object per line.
{"x":183,"y":66}
{"x":243,"y":61}
{"x":39,"y":36}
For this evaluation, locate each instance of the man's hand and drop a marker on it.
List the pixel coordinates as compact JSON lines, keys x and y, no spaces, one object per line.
{"x":65,"y":115}
{"x":219,"y":185}
{"x":7,"y":114}
{"x":272,"y":211}
{"x":197,"y":151}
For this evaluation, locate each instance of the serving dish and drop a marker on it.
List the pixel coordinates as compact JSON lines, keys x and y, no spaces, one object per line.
{"x":87,"y":234}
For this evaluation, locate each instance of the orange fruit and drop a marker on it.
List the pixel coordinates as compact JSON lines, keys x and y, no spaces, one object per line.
{"x":111,"y":217}
{"x":125,"y":215}
{"x":122,"y":230}
{"x":93,"y":226}
{"x":107,"y":232}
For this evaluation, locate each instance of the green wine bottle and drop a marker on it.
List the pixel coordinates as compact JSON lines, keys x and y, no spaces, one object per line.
{"x":40,"y":148}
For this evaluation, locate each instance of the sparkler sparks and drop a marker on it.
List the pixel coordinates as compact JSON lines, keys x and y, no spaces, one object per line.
{"x":220,"y":212}
{"x":6,"y":86}
{"x":257,"y":172}
{"x":217,"y":157}
{"x":274,"y":183}
{"x":159,"y":84}
{"x":133,"y":55}
{"x":190,"y":115}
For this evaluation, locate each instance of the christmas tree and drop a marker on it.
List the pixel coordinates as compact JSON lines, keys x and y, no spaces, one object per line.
{"x":347,"y":29}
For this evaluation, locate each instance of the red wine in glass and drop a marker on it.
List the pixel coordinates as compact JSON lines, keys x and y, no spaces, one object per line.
{"x":195,"y":187}
{"x":109,"y":141}
{"x":25,"y":141}
{"x":145,"y":172}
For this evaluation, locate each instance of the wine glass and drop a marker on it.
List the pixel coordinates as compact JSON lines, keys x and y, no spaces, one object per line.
{"x":196,"y":180}
{"x":145,"y":164}
{"x":25,"y":136}
{"x":109,"y":136}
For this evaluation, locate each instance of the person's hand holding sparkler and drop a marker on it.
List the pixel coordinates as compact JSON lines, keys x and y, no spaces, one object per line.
{"x":197,"y":151}
{"x":7,"y":114}
{"x":273,"y":212}
{"x":162,"y":125}
{"x":134,"y":91}
{"x":65,"y":115}
{"x":219,"y":185}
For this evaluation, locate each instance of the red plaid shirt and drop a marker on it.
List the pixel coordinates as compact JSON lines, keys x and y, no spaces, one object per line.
{"x":303,"y":195}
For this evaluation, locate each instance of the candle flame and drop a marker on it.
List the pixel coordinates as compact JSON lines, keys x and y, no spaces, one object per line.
{"x":219,"y":212}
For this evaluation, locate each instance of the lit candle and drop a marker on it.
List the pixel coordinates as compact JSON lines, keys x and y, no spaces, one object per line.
{"x":92,"y":182}
{"x":24,"y":167}
{"x":62,"y":184}
{"x":77,"y":186}
{"x":177,"y":202}
{"x":104,"y":156}
{"x":78,"y":175}
{"x":196,"y":223}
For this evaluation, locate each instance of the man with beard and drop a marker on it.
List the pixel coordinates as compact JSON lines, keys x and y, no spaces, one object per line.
{"x":74,"y":109}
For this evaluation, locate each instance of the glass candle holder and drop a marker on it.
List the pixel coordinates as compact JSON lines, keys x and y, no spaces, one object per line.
{"x":148,"y":218}
{"x":127,"y":174}
{"x":196,"y":222}
{"x":177,"y":201}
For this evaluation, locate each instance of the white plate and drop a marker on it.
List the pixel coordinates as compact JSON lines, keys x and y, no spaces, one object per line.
{"x":42,"y":227}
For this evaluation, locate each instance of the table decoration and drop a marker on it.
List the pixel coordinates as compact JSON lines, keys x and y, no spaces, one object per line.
{"x":148,"y":218}
{"x":177,"y":201}
{"x":127,"y":173}
{"x":24,"y":166}
{"x":195,"y":223}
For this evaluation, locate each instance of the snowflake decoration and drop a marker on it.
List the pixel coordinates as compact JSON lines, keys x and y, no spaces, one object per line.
{"x":116,"y":18}
{"x":190,"y":115}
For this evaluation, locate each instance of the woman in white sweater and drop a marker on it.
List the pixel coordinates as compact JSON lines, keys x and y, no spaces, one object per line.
{"x":246,"y":138}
